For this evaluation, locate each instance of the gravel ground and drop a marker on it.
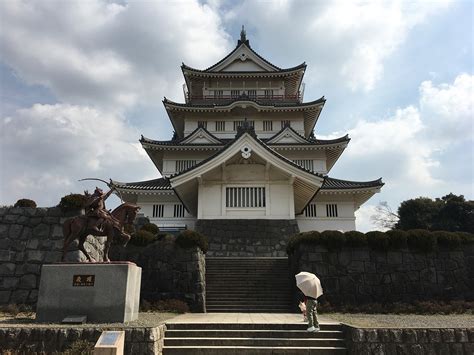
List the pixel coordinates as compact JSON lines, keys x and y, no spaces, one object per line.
{"x":145,"y":319}
{"x":403,"y":320}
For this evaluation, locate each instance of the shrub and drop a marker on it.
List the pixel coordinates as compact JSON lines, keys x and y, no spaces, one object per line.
{"x":422,"y":240}
{"x":80,"y":347}
{"x":169,"y":305}
{"x":377,"y":240}
{"x":143,"y":238}
{"x":130,"y":229}
{"x":448,"y":239}
{"x":24,"y":202}
{"x":312,"y":237}
{"x":355,"y":239}
{"x":188,"y":239}
{"x":397,"y":239}
{"x":333,"y":240}
{"x":150,"y":227}
{"x":72,"y":202}
{"x":466,"y":237}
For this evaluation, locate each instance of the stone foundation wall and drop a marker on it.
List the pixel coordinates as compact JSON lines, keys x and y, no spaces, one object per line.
{"x":169,"y":271}
{"x":30,"y":237}
{"x":247,"y":237}
{"x":410,"y":341}
{"x":49,"y":340}
{"x":362,"y":275}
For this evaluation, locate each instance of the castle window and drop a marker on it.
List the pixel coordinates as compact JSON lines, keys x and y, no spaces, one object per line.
{"x":178,"y":211}
{"x":218,"y":94}
{"x":220,"y":126}
{"x":331,"y":210}
{"x":182,"y":165}
{"x":268,"y":126}
{"x":252,"y":94}
{"x":310,"y":210}
{"x":234,"y":94}
{"x":285,"y":123}
{"x":305,"y":163}
{"x":268,"y":94}
{"x":245,"y":197}
{"x":202,"y":124}
{"x":238,"y":124}
{"x":158,"y":210}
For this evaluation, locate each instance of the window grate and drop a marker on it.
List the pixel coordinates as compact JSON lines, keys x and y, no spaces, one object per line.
{"x":331,"y":210}
{"x":252,"y":94}
{"x":218,"y":94}
{"x":235,"y":93}
{"x":158,"y":210}
{"x":202,"y":124}
{"x":182,"y":165}
{"x":238,"y":124}
{"x":285,"y":123}
{"x":268,"y":126}
{"x":220,"y":126}
{"x":245,"y":197}
{"x":178,"y":211}
{"x":310,"y":210}
{"x":268,"y":94}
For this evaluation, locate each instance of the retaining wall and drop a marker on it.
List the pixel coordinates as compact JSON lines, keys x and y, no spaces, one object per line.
{"x":31,"y":340}
{"x":362,"y":275}
{"x":458,"y":341}
{"x":247,"y":237}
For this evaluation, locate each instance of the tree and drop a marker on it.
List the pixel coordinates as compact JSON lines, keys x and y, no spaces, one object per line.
{"x":384,"y":217}
{"x":450,"y":213}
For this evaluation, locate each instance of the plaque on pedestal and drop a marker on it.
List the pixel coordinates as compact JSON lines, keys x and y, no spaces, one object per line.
{"x":104,"y":292}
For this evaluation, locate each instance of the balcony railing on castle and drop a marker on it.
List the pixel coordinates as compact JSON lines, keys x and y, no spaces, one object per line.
{"x":230,"y":98}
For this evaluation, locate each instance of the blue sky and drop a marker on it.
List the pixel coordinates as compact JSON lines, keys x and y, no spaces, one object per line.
{"x":80,"y":81}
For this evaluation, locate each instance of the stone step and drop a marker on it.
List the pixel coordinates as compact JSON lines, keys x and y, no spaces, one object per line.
{"x":221,"y":341}
{"x":250,"y":326}
{"x":239,"y":350}
{"x":256,"y":333}
{"x":231,"y":298}
{"x":263,"y":302}
{"x":262,"y":308}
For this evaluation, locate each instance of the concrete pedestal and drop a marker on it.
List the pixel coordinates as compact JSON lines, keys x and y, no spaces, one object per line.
{"x":105,"y":293}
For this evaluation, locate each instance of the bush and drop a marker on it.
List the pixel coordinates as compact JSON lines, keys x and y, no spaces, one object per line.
{"x":150,"y":227}
{"x":333,"y":240}
{"x":80,"y":347}
{"x":397,"y":239}
{"x":355,"y":239}
{"x":170,"y":305}
{"x":72,"y":202}
{"x":448,"y":239}
{"x":130,"y":229}
{"x":188,"y":239}
{"x":421,"y":240}
{"x":377,"y":240}
{"x":312,"y":237}
{"x":465,"y":237}
{"x":143,"y":238}
{"x":24,"y":202}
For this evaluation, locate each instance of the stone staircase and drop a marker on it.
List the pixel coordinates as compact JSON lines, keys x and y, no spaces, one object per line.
{"x":238,"y":338}
{"x":246,"y":285}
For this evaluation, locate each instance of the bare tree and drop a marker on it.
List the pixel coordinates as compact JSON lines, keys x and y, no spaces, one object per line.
{"x":384,"y":216}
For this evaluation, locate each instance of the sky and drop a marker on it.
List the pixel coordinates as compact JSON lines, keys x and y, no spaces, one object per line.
{"x":80,"y":81}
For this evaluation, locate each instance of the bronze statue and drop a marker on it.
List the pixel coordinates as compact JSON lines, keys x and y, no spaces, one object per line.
{"x":99,"y":222}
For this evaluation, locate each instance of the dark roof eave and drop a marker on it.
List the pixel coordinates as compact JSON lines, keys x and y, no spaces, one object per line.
{"x":185,"y":68}
{"x":331,"y":184}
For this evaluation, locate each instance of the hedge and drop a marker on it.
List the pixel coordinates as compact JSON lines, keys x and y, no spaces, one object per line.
{"x":72,"y":202}
{"x":25,"y":202}
{"x":417,"y":239}
{"x":188,"y":239}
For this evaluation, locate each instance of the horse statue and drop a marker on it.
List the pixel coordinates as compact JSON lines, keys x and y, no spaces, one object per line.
{"x":80,"y":227}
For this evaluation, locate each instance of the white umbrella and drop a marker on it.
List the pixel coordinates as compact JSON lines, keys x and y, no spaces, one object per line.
{"x":309,"y":284}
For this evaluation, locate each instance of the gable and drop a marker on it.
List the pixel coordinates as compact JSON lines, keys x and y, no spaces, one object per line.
{"x":200,"y":136}
{"x":243,"y":59}
{"x":287,"y":136}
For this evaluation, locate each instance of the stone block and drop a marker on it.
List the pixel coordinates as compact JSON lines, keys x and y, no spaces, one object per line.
{"x":5,"y":297}
{"x":28,"y":282}
{"x":35,"y":255}
{"x":112,"y":296}
{"x":41,"y":231}
{"x":456,"y":349}
{"x":461,"y":335}
{"x":448,"y":335}
{"x":469,"y":348}
{"x":355,"y":266}
{"x":409,"y":336}
{"x":7,"y":269}
{"x":6,"y":255}
{"x":4,"y":230}
{"x":19,"y":296}
{"x":434,"y":335}
{"x":32,"y":244}
{"x":358,"y":335}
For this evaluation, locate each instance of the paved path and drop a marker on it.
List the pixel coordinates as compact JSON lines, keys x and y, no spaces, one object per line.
{"x":245,"y":318}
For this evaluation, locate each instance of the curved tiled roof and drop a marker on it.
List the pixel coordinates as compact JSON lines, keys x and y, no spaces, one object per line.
{"x":155,"y":184}
{"x":337,"y":184}
{"x":285,"y":70}
{"x":269,"y":103}
{"x":312,"y":141}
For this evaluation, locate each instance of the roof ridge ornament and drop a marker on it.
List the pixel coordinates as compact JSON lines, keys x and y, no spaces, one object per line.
{"x":243,"y":38}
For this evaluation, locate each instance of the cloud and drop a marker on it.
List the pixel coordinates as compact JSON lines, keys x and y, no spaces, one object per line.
{"x":106,"y":54}
{"x":345,"y":41}
{"x":47,"y":148}
{"x":405,"y":147}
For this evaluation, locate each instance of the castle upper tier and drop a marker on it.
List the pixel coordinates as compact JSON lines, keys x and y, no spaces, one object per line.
{"x":244,"y":148}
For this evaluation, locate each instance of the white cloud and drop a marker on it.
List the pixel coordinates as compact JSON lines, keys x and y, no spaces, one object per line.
{"x":404,"y":148}
{"x":344,"y":41}
{"x":48,"y":147}
{"x":101,"y":53}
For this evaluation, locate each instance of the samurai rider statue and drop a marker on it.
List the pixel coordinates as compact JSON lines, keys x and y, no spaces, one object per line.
{"x":97,"y":214}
